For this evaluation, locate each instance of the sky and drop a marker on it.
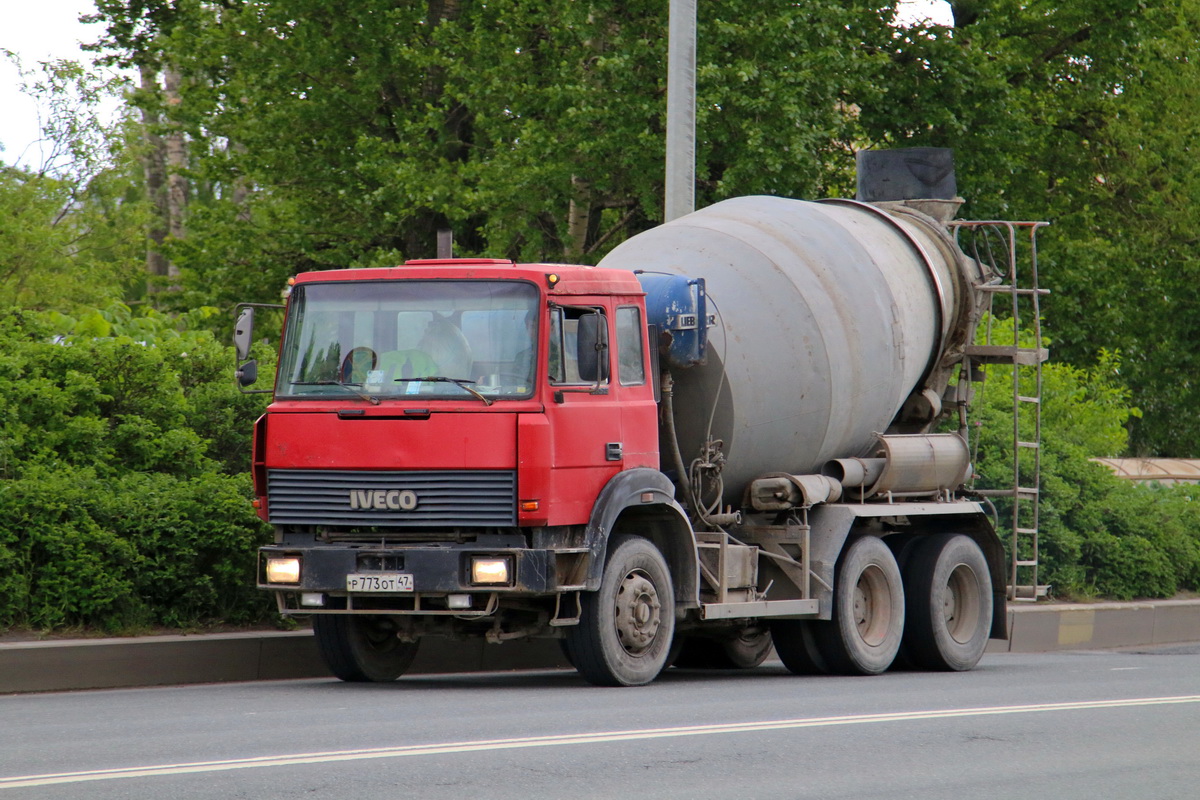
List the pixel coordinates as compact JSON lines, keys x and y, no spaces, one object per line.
{"x":36,"y":31}
{"x":49,"y":29}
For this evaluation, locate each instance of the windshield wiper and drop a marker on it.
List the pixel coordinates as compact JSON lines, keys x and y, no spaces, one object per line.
{"x":372,"y":400}
{"x":462,"y":383}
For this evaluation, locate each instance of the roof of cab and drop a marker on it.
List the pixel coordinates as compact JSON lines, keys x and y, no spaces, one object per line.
{"x":559,"y":279}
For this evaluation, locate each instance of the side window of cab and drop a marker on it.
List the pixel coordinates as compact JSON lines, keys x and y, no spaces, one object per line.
{"x":579,"y":349}
{"x":631,"y":366}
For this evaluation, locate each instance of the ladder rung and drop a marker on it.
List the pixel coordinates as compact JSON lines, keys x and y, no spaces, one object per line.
{"x":1025,"y":399}
{"x":1007,"y":288}
{"x":1033,"y":445}
{"x":1032,"y":563}
{"x":1021,"y":492}
{"x":1007,"y":354}
{"x":1028,"y":531}
{"x":1029,"y":593}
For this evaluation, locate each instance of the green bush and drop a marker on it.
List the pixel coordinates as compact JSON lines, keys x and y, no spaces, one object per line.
{"x":1100,"y":536}
{"x":124,"y":492}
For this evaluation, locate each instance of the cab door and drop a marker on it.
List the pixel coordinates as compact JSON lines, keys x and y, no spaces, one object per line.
{"x":584,"y":412}
{"x":634,"y":387}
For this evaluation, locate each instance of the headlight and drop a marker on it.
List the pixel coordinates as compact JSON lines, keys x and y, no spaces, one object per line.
{"x":283,"y":570}
{"x":489,"y":571}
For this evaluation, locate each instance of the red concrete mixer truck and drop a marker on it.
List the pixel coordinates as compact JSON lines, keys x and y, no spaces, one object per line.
{"x":720,"y":437}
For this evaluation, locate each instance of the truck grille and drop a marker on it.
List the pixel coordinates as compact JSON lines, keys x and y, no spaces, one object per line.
{"x":350,"y":498}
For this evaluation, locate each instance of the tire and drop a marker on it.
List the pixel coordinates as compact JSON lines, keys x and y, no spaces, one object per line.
{"x":948,"y":587}
{"x":362,"y":648}
{"x":902,"y":547}
{"x":865,"y":632}
{"x":745,"y":649}
{"x":797,"y":647}
{"x":626,"y":628}
{"x":566,"y":652}
{"x":674,"y":651}
{"x":697,"y":652}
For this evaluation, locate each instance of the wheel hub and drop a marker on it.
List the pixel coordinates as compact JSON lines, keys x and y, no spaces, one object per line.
{"x":961,"y":604}
{"x":381,"y":636}
{"x":872,"y":606}
{"x":638,"y":613}
{"x":950,"y":607}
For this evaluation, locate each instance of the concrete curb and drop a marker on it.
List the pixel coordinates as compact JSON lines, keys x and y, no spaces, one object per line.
{"x":1036,"y":628}
{"x":62,"y":665}
{"x":66,"y":665}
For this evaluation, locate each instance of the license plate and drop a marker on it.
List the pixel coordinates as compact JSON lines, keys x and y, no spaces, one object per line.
{"x":380,"y":582}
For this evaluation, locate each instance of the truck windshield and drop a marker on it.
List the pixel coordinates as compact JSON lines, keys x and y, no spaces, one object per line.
{"x":380,"y":339}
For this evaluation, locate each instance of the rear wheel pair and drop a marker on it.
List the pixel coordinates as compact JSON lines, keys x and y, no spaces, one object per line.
{"x":938,"y":612}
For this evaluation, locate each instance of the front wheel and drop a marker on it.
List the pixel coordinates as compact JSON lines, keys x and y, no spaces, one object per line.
{"x":864,"y":634}
{"x":625,"y":629}
{"x":949,"y":593}
{"x":362,"y":648}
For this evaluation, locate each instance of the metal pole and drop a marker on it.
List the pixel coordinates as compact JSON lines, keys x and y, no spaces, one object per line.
{"x":445,"y":243}
{"x":680,"y":190}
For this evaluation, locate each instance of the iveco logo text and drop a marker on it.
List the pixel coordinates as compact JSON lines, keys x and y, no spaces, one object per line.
{"x":394,"y":499}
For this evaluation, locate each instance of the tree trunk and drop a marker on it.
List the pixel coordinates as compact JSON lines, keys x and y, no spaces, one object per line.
{"x":154,"y":170}
{"x":241,"y":189}
{"x":578,"y":219}
{"x":176,"y":162}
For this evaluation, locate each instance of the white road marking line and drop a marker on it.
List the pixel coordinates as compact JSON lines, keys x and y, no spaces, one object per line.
{"x":21,"y":781}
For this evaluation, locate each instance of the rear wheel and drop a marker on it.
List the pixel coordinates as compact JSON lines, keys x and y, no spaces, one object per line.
{"x":362,"y":648}
{"x":626,"y":628}
{"x":949,"y":594}
{"x":864,"y":634}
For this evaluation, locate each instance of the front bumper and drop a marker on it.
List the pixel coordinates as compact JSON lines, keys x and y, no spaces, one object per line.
{"x":435,"y":569}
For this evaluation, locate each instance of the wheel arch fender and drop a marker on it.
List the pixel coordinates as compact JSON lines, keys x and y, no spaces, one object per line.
{"x":833,"y":524}
{"x":642,"y":502}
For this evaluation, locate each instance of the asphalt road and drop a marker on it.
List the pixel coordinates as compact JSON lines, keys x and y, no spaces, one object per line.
{"x":1092,"y":725}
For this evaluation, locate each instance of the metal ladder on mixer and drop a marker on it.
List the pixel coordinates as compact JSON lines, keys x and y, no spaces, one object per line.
{"x":1004,"y":245}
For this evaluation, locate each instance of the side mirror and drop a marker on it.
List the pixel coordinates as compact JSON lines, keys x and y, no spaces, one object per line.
{"x":247,"y":373}
{"x":243,"y":334}
{"x":592,"y":348}
{"x":243,"y":338}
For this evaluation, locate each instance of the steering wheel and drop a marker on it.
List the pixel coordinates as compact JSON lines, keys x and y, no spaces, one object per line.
{"x":352,"y":362}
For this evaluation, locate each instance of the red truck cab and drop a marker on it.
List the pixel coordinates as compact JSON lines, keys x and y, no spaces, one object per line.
{"x":441,"y":433}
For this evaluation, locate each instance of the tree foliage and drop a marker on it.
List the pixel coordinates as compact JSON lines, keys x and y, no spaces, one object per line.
{"x":343,"y":137}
